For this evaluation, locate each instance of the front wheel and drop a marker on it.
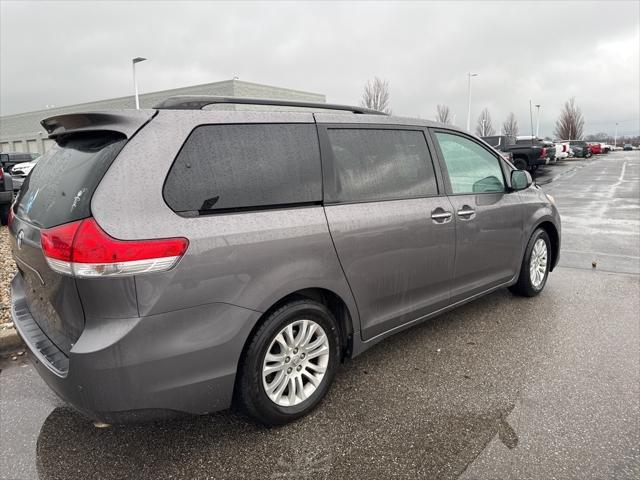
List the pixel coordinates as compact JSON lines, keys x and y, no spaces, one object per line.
{"x":534,"y":270}
{"x":289,"y":363}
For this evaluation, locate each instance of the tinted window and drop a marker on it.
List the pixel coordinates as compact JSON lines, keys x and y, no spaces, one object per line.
{"x":471,"y":168}
{"x":223,"y":167}
{"x":373,"y":164}
{"x":60,"y":189}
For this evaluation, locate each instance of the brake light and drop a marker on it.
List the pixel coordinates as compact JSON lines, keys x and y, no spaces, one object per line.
{"x":83,"y":249}
{"x":1,"y":173}
{"x":543,"y":152}
{"x":10,"y":216}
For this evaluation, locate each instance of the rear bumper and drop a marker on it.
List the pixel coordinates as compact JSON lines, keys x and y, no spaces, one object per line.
{"x":144,"y":367}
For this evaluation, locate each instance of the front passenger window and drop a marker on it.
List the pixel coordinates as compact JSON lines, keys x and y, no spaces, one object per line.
{"x":471,"y":168}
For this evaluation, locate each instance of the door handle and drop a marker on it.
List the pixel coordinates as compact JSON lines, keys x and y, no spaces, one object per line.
{"x":439,"y":215}
{"x":466,"y":212}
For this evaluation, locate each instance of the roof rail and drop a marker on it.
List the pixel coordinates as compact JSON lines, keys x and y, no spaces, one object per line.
{"x":197,"y":102}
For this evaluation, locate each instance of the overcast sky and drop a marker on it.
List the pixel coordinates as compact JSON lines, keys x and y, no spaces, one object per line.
{"x":61,"y":53}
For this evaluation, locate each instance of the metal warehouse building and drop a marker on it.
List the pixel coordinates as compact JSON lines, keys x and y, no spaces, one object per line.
{"x":22,"y":132}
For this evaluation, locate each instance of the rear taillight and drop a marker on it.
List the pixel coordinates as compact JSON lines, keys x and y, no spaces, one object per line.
{"x":543,"y":152}
{"x":83,"y":249}
{"x":1,"y":173}
{"x":10,"y":216}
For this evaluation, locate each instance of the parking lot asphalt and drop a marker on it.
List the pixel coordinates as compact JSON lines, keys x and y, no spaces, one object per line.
{"x":501,"y":388}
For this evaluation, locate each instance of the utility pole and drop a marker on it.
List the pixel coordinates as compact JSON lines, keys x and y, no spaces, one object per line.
{"x":538,"y":121}
{"x":469,"y":75}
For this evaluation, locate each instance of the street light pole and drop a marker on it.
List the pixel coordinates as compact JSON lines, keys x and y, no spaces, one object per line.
{"x":135,"y":81}
{"x":615,"y":137}
{"x":538,"y":121}
{"x":469,"y":75}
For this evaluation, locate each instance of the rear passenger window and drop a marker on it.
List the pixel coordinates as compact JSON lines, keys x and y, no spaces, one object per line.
{"x":234,"y":167}
{"x":377,"y":164}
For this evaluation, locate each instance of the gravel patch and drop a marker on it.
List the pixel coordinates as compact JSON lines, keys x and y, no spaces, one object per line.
{"x":7,"y":271}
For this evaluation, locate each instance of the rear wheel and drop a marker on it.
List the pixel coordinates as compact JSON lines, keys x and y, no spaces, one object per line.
{"x":289,"y":363}
{"x":520,"y":164}
{"x":534,"y":270}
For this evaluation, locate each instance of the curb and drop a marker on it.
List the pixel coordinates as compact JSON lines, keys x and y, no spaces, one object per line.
{"x":9,"y":341}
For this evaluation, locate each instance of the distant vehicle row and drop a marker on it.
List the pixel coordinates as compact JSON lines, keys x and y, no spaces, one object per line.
{"x":528,"y":153}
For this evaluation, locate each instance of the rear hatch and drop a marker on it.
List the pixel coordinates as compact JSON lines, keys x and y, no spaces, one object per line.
{"x":59,"y":191}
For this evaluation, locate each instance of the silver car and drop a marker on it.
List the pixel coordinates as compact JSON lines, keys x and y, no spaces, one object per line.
{"x":184,"y":259}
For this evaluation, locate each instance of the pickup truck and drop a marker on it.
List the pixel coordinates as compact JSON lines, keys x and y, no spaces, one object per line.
{"x":563,"y":150}
{"x":528,"y":153}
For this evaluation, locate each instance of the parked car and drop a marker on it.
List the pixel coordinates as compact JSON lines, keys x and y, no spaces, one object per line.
{"x":9,"y":159}
{"x":528,"y":153}
{"x":20,"y":171}
{"x":6,"y":195}
{"x":580,"y":148}
{"x":262,"y":249}
{"x":596,"y":148}
{"x":627,"y":147}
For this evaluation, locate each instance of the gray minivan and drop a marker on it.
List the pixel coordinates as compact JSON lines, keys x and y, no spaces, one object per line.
{"x":184,"y":259}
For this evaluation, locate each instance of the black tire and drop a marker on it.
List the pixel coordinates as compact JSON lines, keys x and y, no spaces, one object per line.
{"x":4,"y":214}
{"x":524,"y":286}
{"x":520,"y":163}
{"x":251,"y":396}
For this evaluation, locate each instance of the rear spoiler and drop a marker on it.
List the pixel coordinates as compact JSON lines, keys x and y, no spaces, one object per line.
{"x":127,"y":122}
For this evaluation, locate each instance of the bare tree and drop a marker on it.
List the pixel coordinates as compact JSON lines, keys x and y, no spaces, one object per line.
{"x":376,"y":95}
{"x":484,"y":128}
{"x":570,"y":124}
{"x":443,"y":114}
{"x":510,"y":126}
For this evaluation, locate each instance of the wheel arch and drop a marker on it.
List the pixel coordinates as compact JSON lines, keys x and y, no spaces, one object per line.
{"x":334,"y":303}
{"x":554,"y":237}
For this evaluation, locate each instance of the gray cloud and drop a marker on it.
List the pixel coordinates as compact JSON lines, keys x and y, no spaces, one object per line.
{"x":69,"y":52}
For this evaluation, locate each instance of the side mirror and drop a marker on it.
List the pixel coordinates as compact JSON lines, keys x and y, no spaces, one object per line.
{"x":520,"y":179}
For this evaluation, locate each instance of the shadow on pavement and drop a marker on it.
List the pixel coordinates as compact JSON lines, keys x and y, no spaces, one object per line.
{"x":424,"y":403}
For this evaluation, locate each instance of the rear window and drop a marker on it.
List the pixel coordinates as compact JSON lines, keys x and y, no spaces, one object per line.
{"x":59,"y":190}
{"x":243,"y":167}
{"x":373,"y":164}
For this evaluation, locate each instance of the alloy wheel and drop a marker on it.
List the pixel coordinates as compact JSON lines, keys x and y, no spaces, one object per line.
{"x":538,"y":263}
{"x":295,"y":363}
